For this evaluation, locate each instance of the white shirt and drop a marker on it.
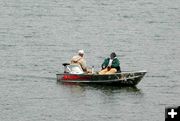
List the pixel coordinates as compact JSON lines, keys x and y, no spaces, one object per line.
{"x":110,"y":62}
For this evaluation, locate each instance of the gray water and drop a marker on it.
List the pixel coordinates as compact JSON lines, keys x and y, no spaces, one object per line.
{"x":37,"y":36}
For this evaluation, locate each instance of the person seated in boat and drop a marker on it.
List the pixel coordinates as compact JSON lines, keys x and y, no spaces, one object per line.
{"x":110,"y":65}
{"x":79,"y":59}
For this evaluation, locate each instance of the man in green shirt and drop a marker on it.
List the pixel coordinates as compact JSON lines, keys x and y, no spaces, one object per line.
{"x":110,"y":65}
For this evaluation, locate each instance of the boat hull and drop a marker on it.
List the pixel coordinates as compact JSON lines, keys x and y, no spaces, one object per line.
{"x":120,"y":79}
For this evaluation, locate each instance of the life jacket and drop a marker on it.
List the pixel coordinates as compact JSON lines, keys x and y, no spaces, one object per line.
{"x":78,"y":60}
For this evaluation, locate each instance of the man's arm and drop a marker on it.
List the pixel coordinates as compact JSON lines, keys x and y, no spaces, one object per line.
{"x":115,"y":64}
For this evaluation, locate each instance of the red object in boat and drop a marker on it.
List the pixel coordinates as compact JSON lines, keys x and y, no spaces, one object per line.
{"x":75,"y":77}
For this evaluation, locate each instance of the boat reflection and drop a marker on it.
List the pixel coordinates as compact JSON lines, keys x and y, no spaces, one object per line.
{"x":106,"y":89}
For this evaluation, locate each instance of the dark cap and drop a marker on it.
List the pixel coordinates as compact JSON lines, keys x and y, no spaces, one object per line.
{"x":113,"y":55}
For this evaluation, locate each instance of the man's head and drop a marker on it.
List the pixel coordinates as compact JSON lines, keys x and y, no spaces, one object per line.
{"x":81,"y":53}
{"x":113,"y":55}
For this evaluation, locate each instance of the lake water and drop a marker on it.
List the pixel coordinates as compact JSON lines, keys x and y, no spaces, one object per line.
{"x":37,"y":36}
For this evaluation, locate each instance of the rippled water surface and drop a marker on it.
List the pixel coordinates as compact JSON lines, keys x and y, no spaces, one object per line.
{"x":37,"y":36}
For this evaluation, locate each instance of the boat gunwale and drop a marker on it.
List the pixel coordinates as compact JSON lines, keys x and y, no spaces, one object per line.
{"x":124,"y":72}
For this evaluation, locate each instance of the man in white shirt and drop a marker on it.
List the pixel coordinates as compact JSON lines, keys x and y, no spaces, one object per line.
{"x":79,"y":59}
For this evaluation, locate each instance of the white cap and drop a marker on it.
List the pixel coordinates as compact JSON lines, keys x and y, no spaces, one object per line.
{"x":81,"y":52}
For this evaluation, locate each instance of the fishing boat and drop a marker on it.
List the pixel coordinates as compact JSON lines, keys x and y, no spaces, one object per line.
{"x":74,"y":74}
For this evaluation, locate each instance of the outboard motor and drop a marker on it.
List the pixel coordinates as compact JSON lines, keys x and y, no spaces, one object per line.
{"x":66,"y":70}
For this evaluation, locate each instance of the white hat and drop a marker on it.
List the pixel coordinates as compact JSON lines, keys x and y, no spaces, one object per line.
{"x":81,"y":52}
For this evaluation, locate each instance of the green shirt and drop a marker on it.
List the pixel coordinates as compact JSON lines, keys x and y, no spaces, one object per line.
{"x":115,"y":63}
